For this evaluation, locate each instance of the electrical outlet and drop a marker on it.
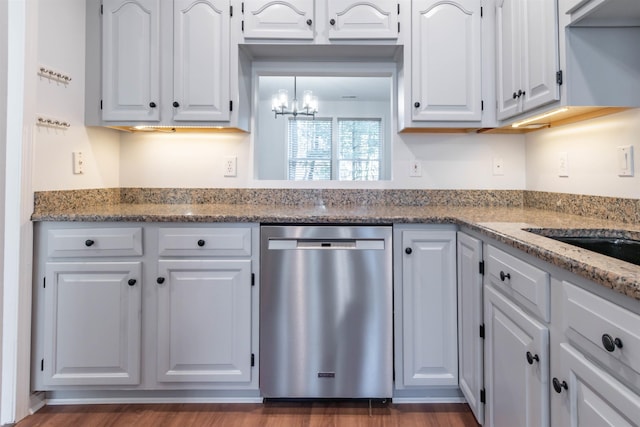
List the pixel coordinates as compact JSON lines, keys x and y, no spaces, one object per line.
{"x":498,"y":166}
{"x":78,"y":163}
{"x":416,"y":168}
{"x":230,"y":166}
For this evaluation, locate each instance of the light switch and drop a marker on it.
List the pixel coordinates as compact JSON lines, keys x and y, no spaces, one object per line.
{"x":625,"y":160}
{"x":563,"y":164}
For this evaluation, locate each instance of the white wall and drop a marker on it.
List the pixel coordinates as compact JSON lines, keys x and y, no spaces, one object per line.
{"x":449,"y":161}
{"x":591,"y":149}
{"x":61,"y":47}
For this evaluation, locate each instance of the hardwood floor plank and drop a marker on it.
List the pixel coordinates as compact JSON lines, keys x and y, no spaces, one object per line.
{"x":271,"y":414}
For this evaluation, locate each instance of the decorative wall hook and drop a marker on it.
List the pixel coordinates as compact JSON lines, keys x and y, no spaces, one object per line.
{"x":45,"y":121}
{"x":54,"y":75}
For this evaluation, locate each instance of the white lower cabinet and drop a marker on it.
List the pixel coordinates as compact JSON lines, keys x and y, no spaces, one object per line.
{"x":173,"y":311}
{"x":470,"y":322}
{"x":590,"y":396}
{"x":428,"y":306}
{"x":516,"y":364}
{"x":92,"y":323}
{"x":204,"y":321}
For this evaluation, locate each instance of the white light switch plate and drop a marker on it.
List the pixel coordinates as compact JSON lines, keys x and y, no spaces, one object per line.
{"x":563,"y":164}
{"x":498,"y":166}
{"x":625,"y":160}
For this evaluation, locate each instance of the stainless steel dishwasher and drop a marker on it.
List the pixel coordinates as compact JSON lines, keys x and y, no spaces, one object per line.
{"x":326,"y":312}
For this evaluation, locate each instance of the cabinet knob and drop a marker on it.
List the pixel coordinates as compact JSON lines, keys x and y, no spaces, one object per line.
{"x":160,"y":280}
{"x":131,"y":282}
{"x":176,"y":104}
{"x":558,"y":386}
{"x":332,"y":21}
{"x":609,"y":343}
{"x":309,"y":22}
{"x":88,"y":243}
{"x":532,"y":357}
{"x":408,"y":251}
{"x":515,"y":95}
{"x":416,"y":104}
{"x":504,"y":276}
{"x":201,"y":243}
{"x":152,"y":105}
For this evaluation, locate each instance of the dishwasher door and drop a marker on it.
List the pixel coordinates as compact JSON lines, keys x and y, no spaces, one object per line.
{"x":326,"y":312}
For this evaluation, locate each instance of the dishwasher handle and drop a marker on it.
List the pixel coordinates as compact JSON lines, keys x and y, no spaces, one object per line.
{"x":326,"y":244}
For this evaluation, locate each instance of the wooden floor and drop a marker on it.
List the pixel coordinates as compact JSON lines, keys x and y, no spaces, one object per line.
{"x":276,"y":414}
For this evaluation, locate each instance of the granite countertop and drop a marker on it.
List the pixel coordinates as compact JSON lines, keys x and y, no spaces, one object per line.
{"x":501,"y":223}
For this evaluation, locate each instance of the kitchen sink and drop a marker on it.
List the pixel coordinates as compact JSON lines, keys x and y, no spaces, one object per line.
{"x":619,"y":247}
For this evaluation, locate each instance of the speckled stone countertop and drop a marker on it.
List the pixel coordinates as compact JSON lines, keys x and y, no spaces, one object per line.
{"x":504,"y":224}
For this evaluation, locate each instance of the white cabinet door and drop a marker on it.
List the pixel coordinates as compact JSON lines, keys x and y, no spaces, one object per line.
{"x":508,"y":56}
{"x":516,"y":364}
{"x":527,"y":55}
{"x":470,"y":345}
{"x":429,"y":319}
{"x":289,"y":19}
{"x":590,"y":396}
{"x":541,"y":59}
{"x":131,"y":60}
{"x":92,"y":323}
{"x":363,"y":20}
{"x":446,"y":60}
{"x":204,"y":321}
{"x":201,"y":60}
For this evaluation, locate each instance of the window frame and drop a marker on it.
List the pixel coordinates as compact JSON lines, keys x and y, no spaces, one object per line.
{"x":335,"y":147}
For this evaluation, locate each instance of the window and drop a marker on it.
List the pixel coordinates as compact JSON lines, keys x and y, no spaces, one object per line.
{"x":310,"y":149}
{"x":352,"y":154}
{"x":359,"y":149}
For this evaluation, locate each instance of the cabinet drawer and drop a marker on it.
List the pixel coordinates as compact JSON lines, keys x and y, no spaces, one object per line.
{"x":604,"y":330}
{"x":204,"y":241}
{"x":94,"y":242}
{"x":523,"y":282}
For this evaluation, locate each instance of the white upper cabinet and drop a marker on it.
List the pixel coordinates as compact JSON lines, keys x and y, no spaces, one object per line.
{"x":293,"y":19}
{"x":363,"y":20}
{"x":527,"y":55}
{"x":184,"y":75}
{"x":602,"y":12}
{"x":307,"y":21}
{"x":131,"y":70}
{"x":201,"y":60}
{"x":446,"y":61}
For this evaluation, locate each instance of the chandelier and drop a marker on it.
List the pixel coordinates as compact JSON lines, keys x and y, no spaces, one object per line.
{"x":280,"y":103}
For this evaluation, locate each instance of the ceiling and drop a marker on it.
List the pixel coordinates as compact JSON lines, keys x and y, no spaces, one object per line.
{"x":329,"y":88}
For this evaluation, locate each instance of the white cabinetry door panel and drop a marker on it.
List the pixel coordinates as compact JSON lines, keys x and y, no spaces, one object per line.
{"x":201,"y":60}
{"x":470,"y":351}
{"x":131,"y":60}
{"x":541,"y":54}
{"x":92,"y":323}
{"x":292,"y":19}
{"x":447,"y":67}
{"x":430,"y":347}
{"x":592,"y":397}
{"x":517,"y":390}
{"x":508,"y":52}
{"x":204,"y":321}
{"x":527,"y":55}
{"x":363,"y":20}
